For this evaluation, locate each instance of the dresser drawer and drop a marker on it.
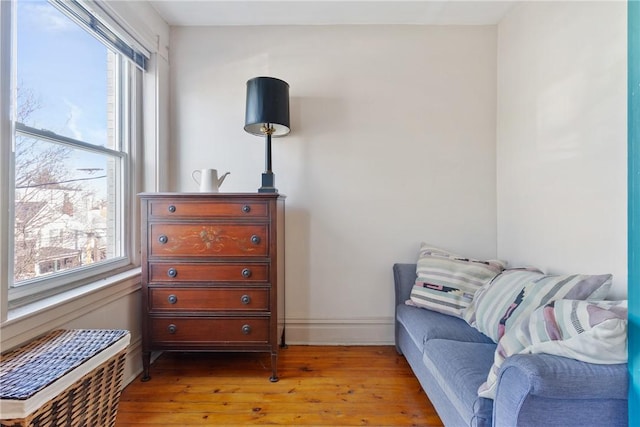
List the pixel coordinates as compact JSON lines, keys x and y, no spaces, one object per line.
{"x":207,"y":240}
{"x":194,"y":272}
{"x":208,"y":299}
{"x":169,"y":208}
{"x":209,"y":330}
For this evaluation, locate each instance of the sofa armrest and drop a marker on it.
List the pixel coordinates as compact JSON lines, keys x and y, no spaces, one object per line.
{"x":404,"y":277}
{"x":541,"y":389}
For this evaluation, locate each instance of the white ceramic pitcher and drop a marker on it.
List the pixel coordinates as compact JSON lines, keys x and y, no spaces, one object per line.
{"x":208,"y":179}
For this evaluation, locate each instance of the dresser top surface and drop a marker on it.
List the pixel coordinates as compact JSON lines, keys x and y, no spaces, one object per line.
{"x":213,"y":195}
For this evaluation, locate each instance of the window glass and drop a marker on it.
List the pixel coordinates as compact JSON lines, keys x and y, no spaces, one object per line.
{"x":63,"y":75}
{"x":70,"y":151}
{"x":64,"y":207}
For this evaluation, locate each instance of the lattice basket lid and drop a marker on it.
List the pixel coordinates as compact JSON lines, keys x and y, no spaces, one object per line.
{"x":37,"y":372}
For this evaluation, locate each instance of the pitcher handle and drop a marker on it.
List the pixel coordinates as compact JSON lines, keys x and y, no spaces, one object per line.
{"x":193,"y":175}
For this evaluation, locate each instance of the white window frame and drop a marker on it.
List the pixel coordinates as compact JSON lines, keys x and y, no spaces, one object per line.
{"x":46,"y":286}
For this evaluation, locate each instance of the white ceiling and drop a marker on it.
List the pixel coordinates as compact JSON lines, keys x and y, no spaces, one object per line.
{"x":330,"y":12}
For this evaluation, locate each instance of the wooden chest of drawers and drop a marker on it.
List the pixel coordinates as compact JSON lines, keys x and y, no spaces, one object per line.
{"x":212,"y":273}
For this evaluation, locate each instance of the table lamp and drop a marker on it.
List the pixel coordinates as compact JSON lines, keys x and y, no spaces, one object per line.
{"x":267,"y":114}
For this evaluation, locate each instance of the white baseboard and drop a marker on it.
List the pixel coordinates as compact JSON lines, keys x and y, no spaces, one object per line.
{"x":369,"y":331}
{"x":133,"y":364}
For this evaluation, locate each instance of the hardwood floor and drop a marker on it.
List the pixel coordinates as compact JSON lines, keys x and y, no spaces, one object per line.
{"x":319,"y":385}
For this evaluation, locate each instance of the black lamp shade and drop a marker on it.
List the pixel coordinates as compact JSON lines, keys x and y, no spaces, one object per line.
{"x":267,"y":106}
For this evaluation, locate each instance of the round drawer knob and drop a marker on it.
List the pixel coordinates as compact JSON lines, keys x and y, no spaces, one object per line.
{"x":245,"y":299}
{"x":246,"y":329}
{"x":163,"y":239}
{"x":246,"y":273}
{"x":246,"y":209}
{"x":172,"y":272}
{"x":255,"y":239}
{"x":172,"y":208}
{"x":172,"y":329}
{"x":172,"y":299}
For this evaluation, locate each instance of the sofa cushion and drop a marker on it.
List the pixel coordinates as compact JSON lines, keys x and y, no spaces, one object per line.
{"x":423,"y":325}
{"x":446,"y":282}
{"x":515,"y":294}
{"x":460,"y":368}
{"x":590,"y":331}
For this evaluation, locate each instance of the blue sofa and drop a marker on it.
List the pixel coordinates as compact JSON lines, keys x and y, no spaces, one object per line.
{"x":451,"y":359}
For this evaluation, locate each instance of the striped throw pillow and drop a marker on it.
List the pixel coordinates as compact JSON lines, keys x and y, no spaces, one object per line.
{"x":590,"y":331}
{"x":446,"y":282}
{"x":516,"y":293}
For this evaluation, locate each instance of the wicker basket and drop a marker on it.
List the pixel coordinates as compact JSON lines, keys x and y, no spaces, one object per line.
{"x":65,"y":378}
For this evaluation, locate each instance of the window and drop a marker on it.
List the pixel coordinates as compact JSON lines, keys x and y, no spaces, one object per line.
{"x":77,"y":100}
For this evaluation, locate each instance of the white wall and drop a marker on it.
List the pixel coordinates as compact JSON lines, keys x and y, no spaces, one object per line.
{"x":392,"y":143}
{"x":561,"y":138}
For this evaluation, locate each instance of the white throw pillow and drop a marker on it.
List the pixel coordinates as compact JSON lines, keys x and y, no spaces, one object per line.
{"x":590,"y":331}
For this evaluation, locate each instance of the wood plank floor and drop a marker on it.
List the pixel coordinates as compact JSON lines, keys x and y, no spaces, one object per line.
{"x":319,"y":386}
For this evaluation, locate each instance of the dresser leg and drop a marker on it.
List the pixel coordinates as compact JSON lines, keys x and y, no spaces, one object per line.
{"x":274,"y":368}
{"x":146,"y":362}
